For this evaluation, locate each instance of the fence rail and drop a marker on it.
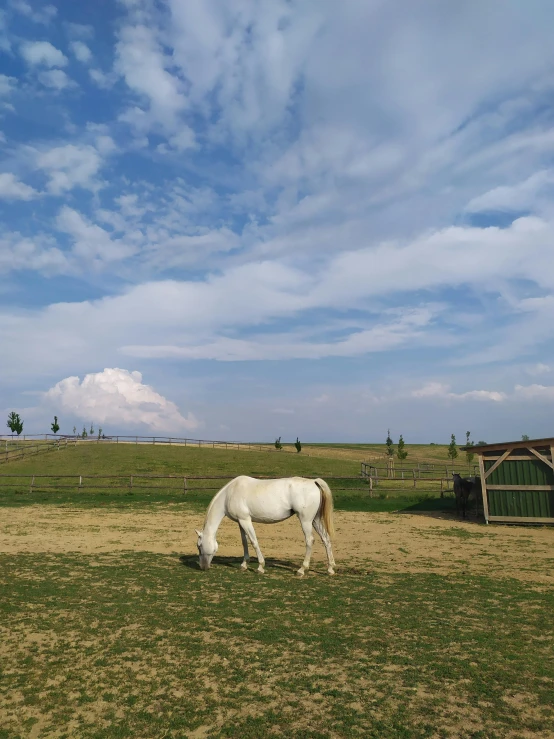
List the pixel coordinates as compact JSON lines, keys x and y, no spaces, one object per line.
{"x":136,"y":482}
{"x":426,"y":471}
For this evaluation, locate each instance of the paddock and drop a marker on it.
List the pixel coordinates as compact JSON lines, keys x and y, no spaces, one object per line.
{"x":108,"y":628}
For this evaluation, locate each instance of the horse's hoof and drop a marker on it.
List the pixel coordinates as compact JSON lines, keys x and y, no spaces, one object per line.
{"x":244,"y":566}
{"x":331,"y":571}
{"x":261,"y":569}
{"x":300,"y":572}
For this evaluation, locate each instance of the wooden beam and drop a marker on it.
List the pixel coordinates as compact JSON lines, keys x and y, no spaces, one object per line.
{"x":484,"y":488}
{"x":498,"y":462}
{"x":520,"y":519}
{"x":520,"y":487}
{"x":515,"y":458}
{"x":541,"y":457}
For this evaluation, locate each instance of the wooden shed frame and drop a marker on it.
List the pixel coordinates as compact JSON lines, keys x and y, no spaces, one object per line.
{"x":513,"y":451}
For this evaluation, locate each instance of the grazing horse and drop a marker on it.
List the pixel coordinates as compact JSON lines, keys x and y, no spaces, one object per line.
{"x":462,"y":490}
{"x":246,"y":499}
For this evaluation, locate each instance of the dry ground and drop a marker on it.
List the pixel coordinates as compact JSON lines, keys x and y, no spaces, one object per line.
{"x":389,"y":542}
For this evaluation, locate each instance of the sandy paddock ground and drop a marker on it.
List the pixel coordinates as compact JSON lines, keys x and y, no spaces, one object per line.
{"x":383,"y":542}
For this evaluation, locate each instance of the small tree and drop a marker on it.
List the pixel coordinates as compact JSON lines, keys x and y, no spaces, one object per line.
{"x":481,"y":442}
{"x":470,"y":456}
{"x":298,"y":445}
{"x":100,"y":435}
{"x":524,"y":437}
{"x":74,"y":430}
{"x":91,"y":432}
{"x":15,"y":424}
{"x":278,"y":444}
{"x":390,"y":445}
{"x":84,"y":433}
{"x":55,"y":426}
{"x":401,"y":452}
{"x":452,"y":448}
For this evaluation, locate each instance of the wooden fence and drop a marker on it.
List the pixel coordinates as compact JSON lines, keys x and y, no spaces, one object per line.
{"x":134,"y":482}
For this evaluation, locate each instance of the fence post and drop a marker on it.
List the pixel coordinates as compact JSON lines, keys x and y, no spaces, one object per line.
{"x":131,"y":486}
{"x":184,"y":485}
{"x":80,"y":481}
{"x":442,"y":492}
{"x":370,"y":487}
{"x":32,"y":483}
{"x":415,"y":478}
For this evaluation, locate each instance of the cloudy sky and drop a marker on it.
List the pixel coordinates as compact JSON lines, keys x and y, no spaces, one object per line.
{"x":256,"y":219}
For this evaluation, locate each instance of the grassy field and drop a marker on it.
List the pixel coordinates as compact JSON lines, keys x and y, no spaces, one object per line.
{"x":126,"y":459}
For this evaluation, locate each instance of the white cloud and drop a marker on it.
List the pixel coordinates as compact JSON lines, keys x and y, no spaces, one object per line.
{"x":43,"y":15}
{"x":442,"y":391}
{"x":7,"y":84}
{"x":12,"y":189}
{"x":69,"y":166}
{"x":81,"y":51}
{"x":118,"y":397}
{"x":91,"y":244}
{"x":57,"y":79}
{"x":42,"y":53}
{"x":539,"y":369}
{"x":535,"y":392}
{"x":521,"y":196}
{"x":18,"y":252}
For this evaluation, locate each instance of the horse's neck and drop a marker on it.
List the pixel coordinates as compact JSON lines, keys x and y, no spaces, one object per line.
{"x":215,"y":514}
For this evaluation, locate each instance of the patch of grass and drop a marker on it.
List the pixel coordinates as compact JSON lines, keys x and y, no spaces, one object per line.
{"x":129,"y":459}
{"x":144,"y":645}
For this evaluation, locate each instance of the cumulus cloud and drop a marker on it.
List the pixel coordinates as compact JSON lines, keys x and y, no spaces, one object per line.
{"x":7,"y":84}
{"x":535,"y":392}
{"x":42,"y":15}
{"x":42,"y":53}
{"x":56,"y":79}
{"x":12,"y":189}
{"x":69,"y":166}
{"x":119,"y":398}
{"x":81,"y":51}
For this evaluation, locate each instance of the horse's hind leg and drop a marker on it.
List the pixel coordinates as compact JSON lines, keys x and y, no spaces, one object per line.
{"x":244,"y":538}
{"x":307,"y":529}
{"x":326,"y":539}
{"x":246,"y":525}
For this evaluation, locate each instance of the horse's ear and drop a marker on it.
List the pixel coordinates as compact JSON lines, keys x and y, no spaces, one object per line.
{"x":198,"y":532}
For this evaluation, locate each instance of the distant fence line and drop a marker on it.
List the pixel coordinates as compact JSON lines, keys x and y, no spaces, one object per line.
{"x":136,"y":482}
{"x":426,"y":470}
{"x":134,"y":439}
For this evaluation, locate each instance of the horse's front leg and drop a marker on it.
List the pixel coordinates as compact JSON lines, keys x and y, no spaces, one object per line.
{"x":246,"y":524}
{"x":307,"y":529}
{"x":246,"y":560}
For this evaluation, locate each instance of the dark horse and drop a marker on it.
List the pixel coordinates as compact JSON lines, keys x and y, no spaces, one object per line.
{"x":462,"y":490}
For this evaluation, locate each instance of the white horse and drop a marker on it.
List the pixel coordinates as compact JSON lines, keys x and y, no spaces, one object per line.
{"x":246,"y":499}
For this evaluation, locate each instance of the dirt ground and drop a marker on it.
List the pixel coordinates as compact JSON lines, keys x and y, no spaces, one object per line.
{"x":380,"y":541}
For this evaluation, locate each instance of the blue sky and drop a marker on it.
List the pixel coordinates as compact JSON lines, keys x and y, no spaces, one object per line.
{"x":247,"y":220}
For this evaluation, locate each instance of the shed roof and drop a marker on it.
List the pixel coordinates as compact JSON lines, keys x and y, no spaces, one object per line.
{"x":548,"y":442}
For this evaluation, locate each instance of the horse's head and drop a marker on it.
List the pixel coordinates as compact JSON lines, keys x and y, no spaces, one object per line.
{"x":207,"y":547}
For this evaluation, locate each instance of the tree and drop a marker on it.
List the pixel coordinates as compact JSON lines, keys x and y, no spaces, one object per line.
{"x":401,"y":452}
{"x":524,"y":437}
{"x":298,"y":445}
{"x":84,"y":434}
{"x":91,"y":432}
{"x":452,"y":448}
{"x":481,"y":442}
{"x":278,"y":444}
{"x":100,"y":434}
{"x":55,"y":426}
{"x":74,"y":430}
{"x":15,"y":424}
{"x":470,"y":456}
{"x":390,"y":445}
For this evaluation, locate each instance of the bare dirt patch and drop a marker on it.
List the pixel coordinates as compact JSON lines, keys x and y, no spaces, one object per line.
{"x":387,"y":542}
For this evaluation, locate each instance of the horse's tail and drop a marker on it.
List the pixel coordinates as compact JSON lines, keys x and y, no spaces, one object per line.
{"x":326,"y":508}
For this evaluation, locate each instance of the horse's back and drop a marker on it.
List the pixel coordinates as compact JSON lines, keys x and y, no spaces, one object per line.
{"x":268,"y":501}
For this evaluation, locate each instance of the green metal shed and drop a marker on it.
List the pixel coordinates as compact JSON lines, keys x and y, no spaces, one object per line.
{"x":517,"y":479}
